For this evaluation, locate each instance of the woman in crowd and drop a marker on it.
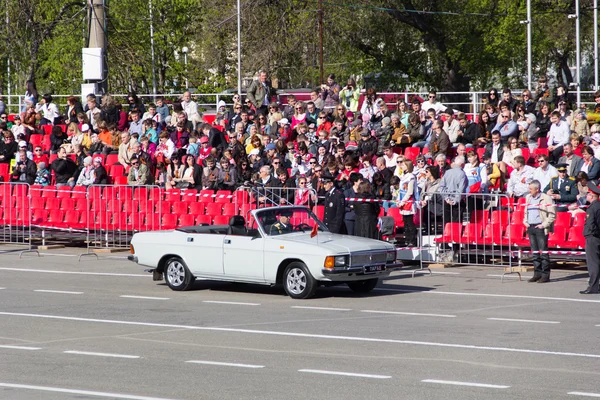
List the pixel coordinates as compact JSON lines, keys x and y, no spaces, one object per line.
{"x":431,"y":202}
{"x":492,"y":112}
{"x":75,"y":135}
{"x":476,"y":172}
{"x":31,"y":93}
{"x":350,"y":95}
{"x":299,"y":114}
{"x":511,"y":150}
{"x":542,"y":120}
{"x":407,"y":202}
{"x":74,"y":108}
{"x":485,"y":127}
{"x":173,"y":173}
{"x":304,"y":196}
{"x":191,"y":175}
{"x":48,"y":109}
{"x":381,"y":188}
{"x":590,"y":165}
{"x":582,"y":187}
{"x":492,"y":97}
{"x":244,"y":172}
{"x":402,"y":111}
{"x":367,"y":213}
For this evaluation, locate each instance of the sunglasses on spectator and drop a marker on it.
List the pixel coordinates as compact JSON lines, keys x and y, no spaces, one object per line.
{"x":312,"y":162}
{"x":432,"y":97}
{"x":238,"y":108}
{"x":3,"y":116}
{"x":135,"y":163}
{"x":420,"y":161}
{"x":301,"y":183}
{"x":276,"y":162}
{"x":318,"y":170}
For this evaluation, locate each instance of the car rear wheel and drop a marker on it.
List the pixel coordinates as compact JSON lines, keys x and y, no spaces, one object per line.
{"x":298,"y":282}
{"x":177,"y":274}
{"x":363,"y":286}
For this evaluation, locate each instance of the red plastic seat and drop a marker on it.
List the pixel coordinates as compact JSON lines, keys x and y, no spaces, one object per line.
{"x":471,"y":234}
{"x":241,"y":197}
{"x":63,"y":192}
{"x":221,"y":220}
{"x":163,"y":207}
{"x":56,"y":218}
{"x":49,"y":192}
{"x":79,"y":192}
{"x":112,"y":159}
{"x":140,"y":193}
{"x":38,"y":202}
{"x":516,"y":217}
{"x":411,"y":153}
{"x":72,"y":219}
{"x":116,"y":170}
{"x":35,"y":140}
{"x":203,"y":219}
{"x":197,"y":208}
{"x":156,"y":194}
{"x":398,"y":220}
{"x":575,"y":238}
{"x":130,"y":206}
{"x":223,"y":196}
{"x":40,"y":216}
{"x":35,"y":190}
{"x":563,"y":219}
{"x":189,"y":195}
{"x":230,"y":209}
{"x":169,"y":221}
{"x":67,"y":204}
{"x":214,"y":209}
{"x":114,"y":205}
{"x":493,"y":234}
{"x":480,"y":216}
{"x":120,"y":180}
{"x":452,"y":233}
{"x":558,"y":237}
{"x":515,"y":236}
{"x":95,"y":192}
{"x":136,"y":221}
{"x":20,"y":190}
{"x":80,"y":204}
{"x":124,"y":193}
{"x":186,"y":220}
{"x":579,"y":220}
{"x":207,"y":196}
{"x":500,"y":217}
{"x":53,"y":203}
{"x":526,"y":153}
{"x":173,"y":195}
{"x":180,"y":208}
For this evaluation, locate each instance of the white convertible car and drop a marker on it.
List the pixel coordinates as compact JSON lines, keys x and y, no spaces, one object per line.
{"x":284,"y":245}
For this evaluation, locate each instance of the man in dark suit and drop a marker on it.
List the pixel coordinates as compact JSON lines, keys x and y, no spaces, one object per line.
{"x":334,"y":205}
{"x":562,"y":188}
{"x":494,"y":149}
{"x":25,"y":170}
{"x":572,"y":160}
{"x":216,"y":138}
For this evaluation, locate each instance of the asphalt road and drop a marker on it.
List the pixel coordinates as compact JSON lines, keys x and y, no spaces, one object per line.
{"x":103,"y":329}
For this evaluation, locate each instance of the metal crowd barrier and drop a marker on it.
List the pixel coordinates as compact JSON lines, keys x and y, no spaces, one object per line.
{"x":15,"y":216}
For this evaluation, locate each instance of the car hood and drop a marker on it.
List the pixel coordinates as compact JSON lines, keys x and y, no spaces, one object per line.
{"x":338,"y":243}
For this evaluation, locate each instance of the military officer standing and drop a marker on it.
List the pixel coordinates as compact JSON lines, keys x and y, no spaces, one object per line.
{"x":334,"y":205}
{"x":591,"y":232}
{"x":562,"y":188}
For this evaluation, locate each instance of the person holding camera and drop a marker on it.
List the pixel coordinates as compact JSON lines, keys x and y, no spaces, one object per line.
{"x":349,"y":95}
{"x":330,"y":92}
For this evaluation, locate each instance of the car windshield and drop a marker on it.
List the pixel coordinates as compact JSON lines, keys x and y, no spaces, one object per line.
{"x":282,"y":221}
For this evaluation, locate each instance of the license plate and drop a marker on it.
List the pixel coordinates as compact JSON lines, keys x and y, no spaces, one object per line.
{"x":369,"y":269}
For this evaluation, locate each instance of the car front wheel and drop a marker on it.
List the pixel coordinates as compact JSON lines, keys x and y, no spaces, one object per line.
{"x":177,"y":274}
{"x":298,"y":282}
{"x":363,"y":286}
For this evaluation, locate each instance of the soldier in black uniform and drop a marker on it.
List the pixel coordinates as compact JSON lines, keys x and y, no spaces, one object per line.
{"x":282,"y":226}
{"x":334,"y":205}
{"x":562,"y":188}
{"x":591,"y":232}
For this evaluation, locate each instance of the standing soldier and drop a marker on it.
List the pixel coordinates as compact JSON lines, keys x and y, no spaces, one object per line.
{"x":591,"y":232}
{"x":334,"y":205}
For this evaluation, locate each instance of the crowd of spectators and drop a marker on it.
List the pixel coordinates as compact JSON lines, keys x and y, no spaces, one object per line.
{"x":403,"y":150}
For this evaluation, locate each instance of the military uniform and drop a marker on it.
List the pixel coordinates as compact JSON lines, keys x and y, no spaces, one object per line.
{"x":591,"y":232}
{"x":565,"y":186}
{"x":334,"y":210}
{"x":279,"y":228}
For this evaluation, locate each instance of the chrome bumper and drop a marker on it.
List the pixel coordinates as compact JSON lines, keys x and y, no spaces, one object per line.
{"x":360,"y":270}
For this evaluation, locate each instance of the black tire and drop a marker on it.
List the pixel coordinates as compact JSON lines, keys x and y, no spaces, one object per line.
{"x":363,"y":286}
{"x":298,"y":282}
{"x":177,"y":274}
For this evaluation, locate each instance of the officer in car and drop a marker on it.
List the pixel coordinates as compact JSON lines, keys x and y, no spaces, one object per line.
{"x":282,"y":226}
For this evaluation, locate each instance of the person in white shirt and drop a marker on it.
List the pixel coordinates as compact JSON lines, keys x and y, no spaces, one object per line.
{"x":518,"y":184}
{"x":451,"y":125}
{"x":390,"y":157}
{"x":558,"y":136}
{"x":545,"y":172}
{"x":18,"y":128}
{"x":191,"y":108}
{"x":48,"y":109}
{"x":432,"y":103}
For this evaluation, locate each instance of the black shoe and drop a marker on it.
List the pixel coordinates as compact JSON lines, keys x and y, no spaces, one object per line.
{"x":544,"y":280}
{"x":589,"y":291}
{"x":534,"y":279}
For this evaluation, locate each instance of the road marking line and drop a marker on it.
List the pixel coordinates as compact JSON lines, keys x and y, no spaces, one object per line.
{"x":473,"y":384}
{"x":71,"y":272}
{"x":322,"y":308}
{"x":318,"y":371}
{"x":305,"y":335}
{"x":584,"y":394}
{"x":418,"y":271}
{"x":509,"y":296}
{"x":89,"y":353}
{"x":409,"y":313}
{"x":524,"y":320}
{"x":510,"y":276}
{"x":56,"y":291}
{"x":143,"y":297}
{"x":231,"y":302}
{"x":19,"y":347}
{"x":2,"y":288}
{"x":224,"y":364}
{"x":78,"y":391}
{"x":59,"y":255}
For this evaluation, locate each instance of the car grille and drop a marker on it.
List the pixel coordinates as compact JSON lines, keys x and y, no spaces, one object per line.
{"x":367,"y":258}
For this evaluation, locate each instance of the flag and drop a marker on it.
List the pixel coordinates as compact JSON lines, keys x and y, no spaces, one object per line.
{"x":314,"y":231}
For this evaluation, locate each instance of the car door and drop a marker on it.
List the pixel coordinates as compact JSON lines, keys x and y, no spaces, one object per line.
{"x":243,"y":258}
{"x":203,"y":254}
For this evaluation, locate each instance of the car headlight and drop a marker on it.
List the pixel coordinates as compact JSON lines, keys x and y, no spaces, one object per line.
{"x":332,"y":262}
{"x":390,"y":256}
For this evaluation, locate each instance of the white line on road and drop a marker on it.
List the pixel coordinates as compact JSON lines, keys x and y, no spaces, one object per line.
{"x":89,"y":353}
{"x":78,"y":391}
{"x":49,"y":271}
{"x":534,"y":321}
{"x":306,"y":335}
{"x":224,"y":364}
{"x":322,"y":308}
{"x":56,"y":291}
{"x":2,"y":288}
{"x":19,"y":347}
{"x":510,"y":276}
{"x":59,"y":255}
{"x":473,"y":384}
{"x":318,"y":371}
{"x":418,"y":271}
{"x":126,"y":296}
{"x":408,"y":313}
{"x":508,"y":296}
{"x":231,"y":302}
{"x":584,"y":394}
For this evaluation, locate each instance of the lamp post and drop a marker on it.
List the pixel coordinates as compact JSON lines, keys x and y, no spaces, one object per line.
{"x":185,"y":50}
{"x":528,"y":23}
{"x":239,"y":47}
{"x":577,"y":53}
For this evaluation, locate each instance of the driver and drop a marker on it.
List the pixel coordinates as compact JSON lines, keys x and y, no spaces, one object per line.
{"x":282,"y":226}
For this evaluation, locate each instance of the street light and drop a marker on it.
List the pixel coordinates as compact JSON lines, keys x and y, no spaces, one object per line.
{"x":528,"y":23}
{"x":185,"y":50}
{"x":577,"y":51}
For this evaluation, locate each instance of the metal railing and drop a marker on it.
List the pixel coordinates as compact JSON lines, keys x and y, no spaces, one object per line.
{"x":15,"y":216}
